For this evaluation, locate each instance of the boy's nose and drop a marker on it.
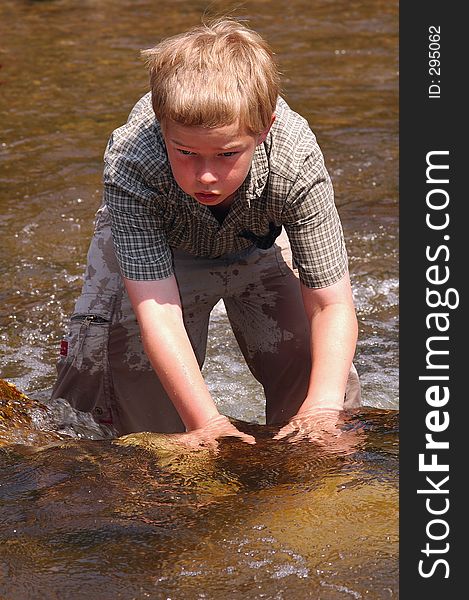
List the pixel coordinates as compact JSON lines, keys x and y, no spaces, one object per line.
{"x":206,"y":175}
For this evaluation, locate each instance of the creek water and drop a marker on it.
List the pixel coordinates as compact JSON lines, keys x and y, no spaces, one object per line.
{"x":85,"y":515}
{"x":92,"y":517}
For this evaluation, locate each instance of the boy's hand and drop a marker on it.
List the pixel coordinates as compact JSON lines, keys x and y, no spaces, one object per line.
{"x":321,"y":426}
{"x":216,"y":427}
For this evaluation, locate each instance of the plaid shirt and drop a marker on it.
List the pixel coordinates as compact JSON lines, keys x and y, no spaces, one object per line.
{"x":287,"y":185}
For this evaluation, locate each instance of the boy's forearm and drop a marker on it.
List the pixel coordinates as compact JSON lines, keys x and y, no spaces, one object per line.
{"x":334,"y":333}
{"x":171,"y":355}
{"x":170,"y":352}
{"x":333,"y":340}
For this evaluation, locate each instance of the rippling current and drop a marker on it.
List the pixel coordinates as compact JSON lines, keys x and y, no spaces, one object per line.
{"x":83,"y":515}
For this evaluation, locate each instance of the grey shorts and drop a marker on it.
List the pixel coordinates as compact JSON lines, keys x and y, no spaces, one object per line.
{"x":103,"y":368}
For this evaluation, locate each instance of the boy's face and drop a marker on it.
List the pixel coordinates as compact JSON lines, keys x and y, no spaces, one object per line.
{"x":210,"y":164}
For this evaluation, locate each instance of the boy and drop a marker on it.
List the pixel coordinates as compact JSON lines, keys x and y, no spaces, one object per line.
{"x":214,"y":188}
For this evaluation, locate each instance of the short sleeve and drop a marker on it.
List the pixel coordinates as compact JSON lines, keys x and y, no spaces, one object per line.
{"x":138,"y":233}
{"x":136,"y":187}
{"x":313,"y":226}
{"x":140,"y":243}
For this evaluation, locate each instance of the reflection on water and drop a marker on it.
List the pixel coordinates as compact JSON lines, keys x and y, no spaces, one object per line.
{"x":140,"y":517}
{"x":82,"y":516}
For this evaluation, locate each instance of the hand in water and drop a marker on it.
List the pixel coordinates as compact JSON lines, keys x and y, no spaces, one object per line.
{"x":321,"y":426}
{"x":216,"y":427}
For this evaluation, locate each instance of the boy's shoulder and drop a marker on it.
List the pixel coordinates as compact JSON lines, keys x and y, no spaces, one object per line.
{"x":290,"y":142}
{"x":140,"y":124}
{"x":138,"y":142}
{"x":142,"y":111}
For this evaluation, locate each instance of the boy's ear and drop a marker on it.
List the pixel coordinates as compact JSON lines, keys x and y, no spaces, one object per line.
{"x":261,"y":137}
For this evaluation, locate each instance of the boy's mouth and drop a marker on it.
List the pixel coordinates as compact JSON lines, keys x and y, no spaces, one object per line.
{"x":206,"y":196}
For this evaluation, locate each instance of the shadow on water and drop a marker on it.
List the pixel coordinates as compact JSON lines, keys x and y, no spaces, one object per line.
{"x":139,"y":517}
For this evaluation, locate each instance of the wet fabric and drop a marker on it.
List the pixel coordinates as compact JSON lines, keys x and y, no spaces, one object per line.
{"x":103,"y":368}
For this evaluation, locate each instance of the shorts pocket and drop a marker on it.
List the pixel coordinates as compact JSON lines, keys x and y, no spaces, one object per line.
{"x":83,"y":367}
{"x":89,"y":332}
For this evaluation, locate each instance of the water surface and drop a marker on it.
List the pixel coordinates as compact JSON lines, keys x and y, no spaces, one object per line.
{"x":81,"y":516}
{"x":140,"y":517}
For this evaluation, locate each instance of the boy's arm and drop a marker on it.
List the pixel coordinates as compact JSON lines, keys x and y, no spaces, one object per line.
{"x":158,"y":309}
{"x":334,"y":329}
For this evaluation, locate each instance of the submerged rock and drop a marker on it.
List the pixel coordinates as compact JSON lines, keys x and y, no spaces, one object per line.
{"x":18,"y":417}
{"x":14,"y":405}
{"x":32,"y":423}
{"x":144,"y":516}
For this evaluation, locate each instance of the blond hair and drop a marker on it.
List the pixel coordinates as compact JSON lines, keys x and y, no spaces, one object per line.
{"x":213,"y":75}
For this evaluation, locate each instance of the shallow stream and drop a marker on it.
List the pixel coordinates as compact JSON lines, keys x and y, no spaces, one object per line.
{"x":91,"y":518}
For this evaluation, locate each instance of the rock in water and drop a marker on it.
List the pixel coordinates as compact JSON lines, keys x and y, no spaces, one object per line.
{"x":19,"y":415}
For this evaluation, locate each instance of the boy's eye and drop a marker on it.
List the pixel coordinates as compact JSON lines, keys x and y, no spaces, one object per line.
{"x":189,"y":153}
